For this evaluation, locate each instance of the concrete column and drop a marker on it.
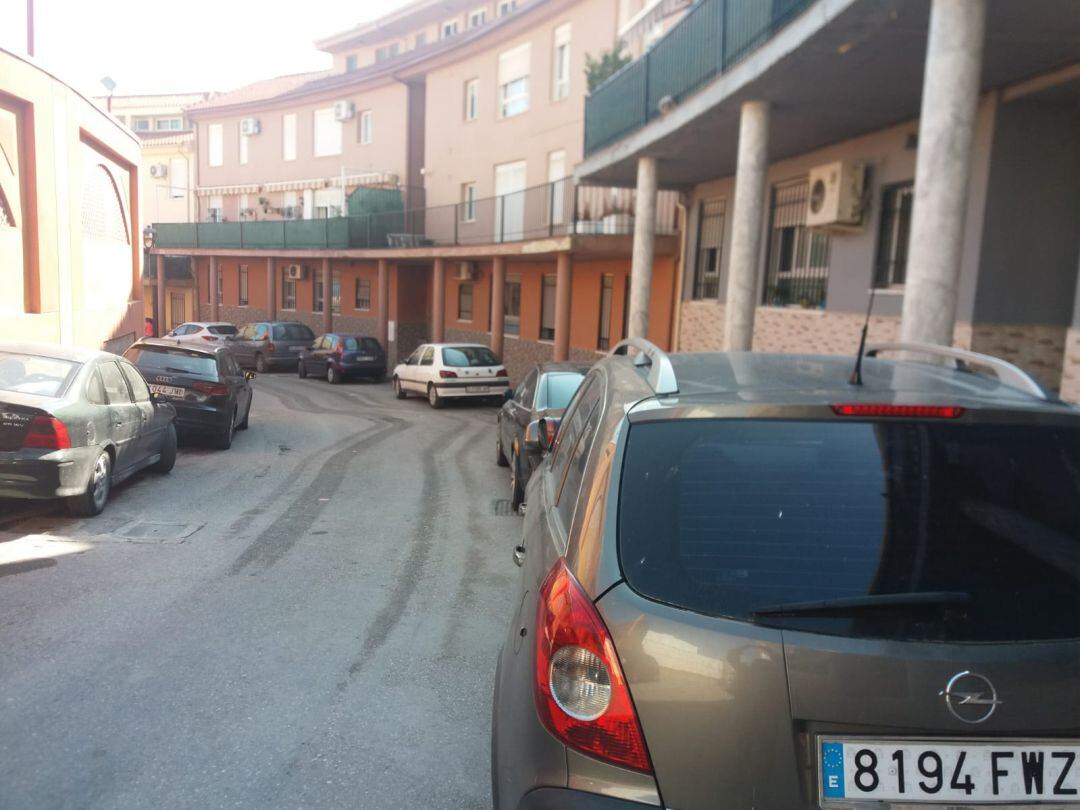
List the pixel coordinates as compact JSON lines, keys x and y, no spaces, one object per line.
{"x":195,"y":286}
{"x":382,"y":296}
{"x":271,"y":289}
{"x":327,"y":310}
{"x":159,"y":321}
{"x":746,"y":222}
{"x":498,"y":305}
{"x":563,"y":282}
{"x":644,"y":238}
{"x":438,"y":300}
{"x":214,"y":306}
{"x":943,"y":169}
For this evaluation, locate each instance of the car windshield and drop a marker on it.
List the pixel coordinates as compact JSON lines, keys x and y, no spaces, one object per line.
{"x":459,"y":356}
{"x":221,"y":329}
{"x":292,"y":331}
{"x":366,"y":344}
{"x":31,"y":374}
{"x":797,"y":524}
{"x":558,"y":388}
{"x":152,"y":360}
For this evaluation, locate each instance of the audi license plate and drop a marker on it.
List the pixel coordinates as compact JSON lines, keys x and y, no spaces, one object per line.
{"x":949,"y":772}
{"x":476,"y":389}
{"x":169,"y":391}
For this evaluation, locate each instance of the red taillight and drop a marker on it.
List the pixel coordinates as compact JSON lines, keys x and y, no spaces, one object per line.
{"x":213,"y":389}
{"x":901,"y":411}
{"x":446,"y":375}
{"x":581,"y":694}
{"x":551,"y":427}
{"x":501,"y":373}
{"x":47,"y":433}
{"x":209,"y":338}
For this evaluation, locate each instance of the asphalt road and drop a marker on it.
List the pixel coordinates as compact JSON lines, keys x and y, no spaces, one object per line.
{"x":309,"y":619}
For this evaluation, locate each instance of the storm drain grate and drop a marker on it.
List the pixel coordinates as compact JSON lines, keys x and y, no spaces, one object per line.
{"x":155,"y":532}
{"x":501,"y":507}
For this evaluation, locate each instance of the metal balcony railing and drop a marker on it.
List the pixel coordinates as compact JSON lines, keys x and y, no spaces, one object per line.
{"x":560,"y":208}
{"x":712,"y":36}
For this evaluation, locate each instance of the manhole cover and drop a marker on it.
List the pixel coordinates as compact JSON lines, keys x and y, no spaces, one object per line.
{"x":501,"y":507}
{"x":153,"y":532}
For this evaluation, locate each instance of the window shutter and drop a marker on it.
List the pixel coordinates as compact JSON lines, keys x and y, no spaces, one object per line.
{"x":514,"y":64}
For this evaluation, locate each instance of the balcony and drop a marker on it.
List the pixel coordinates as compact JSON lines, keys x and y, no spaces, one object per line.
{"x":557,"y":209}
{"x":713,"y":35}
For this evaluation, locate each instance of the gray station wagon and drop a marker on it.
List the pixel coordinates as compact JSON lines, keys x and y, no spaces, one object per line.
{"x":267,"y":345}
{"x":749,"y":583}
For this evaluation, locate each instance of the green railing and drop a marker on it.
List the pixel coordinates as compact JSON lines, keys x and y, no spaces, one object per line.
{"x":299,"y":234}
{"x":712,"y":36}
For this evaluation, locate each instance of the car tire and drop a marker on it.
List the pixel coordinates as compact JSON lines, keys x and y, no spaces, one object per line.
{"x":517,"y":491}
{"x":260,"y":363}
{"x":399,"y":392}
{"x":301,"y":369}
{"x":500,"y":456}
{"x":225,"y":436}
{"x":433,"y":398}
{"x":168,"y":452}
{"x":243,"y":424}
{"x":92,"y":501}
{"x":333,"y":376}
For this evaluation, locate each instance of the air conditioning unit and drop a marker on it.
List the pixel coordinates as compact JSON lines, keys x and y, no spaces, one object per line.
{"x":836,"y":195}
{"x":295,"y":272}
{"x":344,"y":110}
{"x":250,"y":126}
{"x":159,"y":170}
{"x":467,"y":271}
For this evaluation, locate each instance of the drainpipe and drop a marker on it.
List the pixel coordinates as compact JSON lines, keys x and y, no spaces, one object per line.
{"x":683,"y":206}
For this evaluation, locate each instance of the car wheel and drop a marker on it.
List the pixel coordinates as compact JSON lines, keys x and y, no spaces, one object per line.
{"x":433,"y":398}
{"x":260,"y":364}
{"x":168,"y":452}
{"x":517,"y":491}
{"x":301,"y":369}
{"x":92,"y":501}
{"x":500,"y":456}
{"x":399,"y":392}
{"x":247,"y":415}
{"x":225,"y":437}
{"x":333,"y":376}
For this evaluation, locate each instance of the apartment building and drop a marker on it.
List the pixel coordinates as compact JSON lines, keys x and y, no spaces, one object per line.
{"x":924,"y":152}
{"x":455,"y":127}
{"x":69,"y":273}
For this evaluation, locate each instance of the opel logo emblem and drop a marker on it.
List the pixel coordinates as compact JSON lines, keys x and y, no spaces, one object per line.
{"x":970,"y":697}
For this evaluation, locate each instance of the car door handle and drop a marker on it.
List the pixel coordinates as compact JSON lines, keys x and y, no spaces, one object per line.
{"x":519,"y":555}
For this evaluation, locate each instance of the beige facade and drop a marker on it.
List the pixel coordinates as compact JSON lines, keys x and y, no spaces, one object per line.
{"x":167,"y":185}
{"x":152,"y":113}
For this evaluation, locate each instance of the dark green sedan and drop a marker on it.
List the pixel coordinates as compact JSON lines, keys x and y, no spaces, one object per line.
{"x":74,"y":422}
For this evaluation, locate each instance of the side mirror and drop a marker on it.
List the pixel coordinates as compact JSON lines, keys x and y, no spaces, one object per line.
{"x":548,"y":428}
{"x":531,"y":439}
{"x":508,"y":394}
{"x":249,"y":375}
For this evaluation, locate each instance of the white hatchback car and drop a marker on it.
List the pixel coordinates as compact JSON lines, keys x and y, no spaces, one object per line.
{"x":441,"y":371}
{"x":204,"y":333}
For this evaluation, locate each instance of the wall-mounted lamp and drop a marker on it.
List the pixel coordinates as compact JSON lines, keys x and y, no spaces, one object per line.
{"x":148,"y":234}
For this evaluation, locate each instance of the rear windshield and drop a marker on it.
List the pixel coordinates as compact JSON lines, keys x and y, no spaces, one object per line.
{"x":292,"y":331}
{"x":223,"y":329}
{"x":469,"y":356}
{"x":40,"y":376}
{"x":742,"y":518}
{"x":557,"y":389}
{"x":152,"y":360}
{"x":360,"y":344}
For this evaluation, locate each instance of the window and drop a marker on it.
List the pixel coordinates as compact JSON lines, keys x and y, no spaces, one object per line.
{"x":242,"y":295}
{"x":215,"y":134}
{"x":30,"y":374}
{"x":523,"y":393}
{"x":168,"y":124}
{"x":477,"y":18}
{"x":464,"y":301}
{"x":570,"y":490}
{"x":798,"y":258}
{"x":428,"y":357}
{"x":220,"y":286}
{"x":607,"y":288}
{"x":710,"y":243}
{"x":363,"y":294}
{"x":571,"y":430}
{"x":468,"y":202}
{"x":292,"y":331}
{"x":288,"y":292}
{"x":365,"y":127}
{"x":557,"y":183}
{"x":246,"y":211}
{"x":557,"y":388}
{"x":335,"y":292}
{"x":116,"y":389}
{"x":512,"y":306}
{"x":178,"y":175}
{"x":136,"y":381}
{"x":514,"y":81}
{"x":140,"y":124}
{"x":449,"y":29}
{"x":317,"y":301}
{"x":327,"y":133}
{"x":386,"y":51}
{"x":216,"y":209}
{"x":891,"y":267}
{"x":469,"y":357}
{"x":472,"y":99}
{"x":547,"y":308}
{"x":243,"y":150}
{"x":506,"y":6}
{"x":290,"y":203}
{"x":560,"y":62}
{"x":350,"y":63}
{"x":421,"y":40}
{"x":288,"y":136}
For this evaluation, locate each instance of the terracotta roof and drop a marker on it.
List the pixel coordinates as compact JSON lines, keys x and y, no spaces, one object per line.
{"x":258,"y":91}
{"x":165,"y":138}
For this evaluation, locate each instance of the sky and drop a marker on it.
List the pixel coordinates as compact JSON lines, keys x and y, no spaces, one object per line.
{"x":180,"y":46}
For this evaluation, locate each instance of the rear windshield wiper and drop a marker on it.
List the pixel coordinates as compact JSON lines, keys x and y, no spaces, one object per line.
{"x":858,"y":604}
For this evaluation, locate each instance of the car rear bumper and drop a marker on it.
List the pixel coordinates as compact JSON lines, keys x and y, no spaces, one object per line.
{"x":373,"y":368}
{"x":56,"y":475}
{"x":282,"y":360}
{"x":197,"y":417}
{"x":565,"y":799}
{"x":460,"y":388}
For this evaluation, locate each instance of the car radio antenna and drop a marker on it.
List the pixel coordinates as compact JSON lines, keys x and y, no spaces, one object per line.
{"x":856,"y":373}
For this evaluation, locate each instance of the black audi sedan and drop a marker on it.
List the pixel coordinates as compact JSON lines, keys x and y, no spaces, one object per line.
{"x":338,"y":357}
{"x":74,"y":422}
{"x":211,"y":393}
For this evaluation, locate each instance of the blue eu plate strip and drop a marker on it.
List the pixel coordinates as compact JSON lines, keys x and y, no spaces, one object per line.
{"x":832,"y":770}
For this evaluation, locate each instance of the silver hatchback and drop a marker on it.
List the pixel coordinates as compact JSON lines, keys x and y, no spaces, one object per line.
{"x":747,"y":583}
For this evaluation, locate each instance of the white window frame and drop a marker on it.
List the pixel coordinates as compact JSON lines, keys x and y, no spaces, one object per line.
{"x":560,"y":63}
{"x":366,"y":124}
{"x":215,"y":210}
{"x":468,"y":202}
{"x":288,"y":136}
{"x":448,"y":29}
{"x":290,"y":201}
{"x":140,"y":124}
{"x":506,"y":6}
{"x":511,"y":94}
{"x":472,"y":99}
{"x":477,"y":17}
{"x":243,"y":151}
{"x":514,"y":69}
{"x":178,"y":175}
{"x":329,"y":142}
{"x":215,"y":145}
{"x":352,"y":62}
{"x":172,"y":124}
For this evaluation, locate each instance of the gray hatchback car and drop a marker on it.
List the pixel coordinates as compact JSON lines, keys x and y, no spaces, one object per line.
{"x":267,"y":345}
{"x":748,"y":583}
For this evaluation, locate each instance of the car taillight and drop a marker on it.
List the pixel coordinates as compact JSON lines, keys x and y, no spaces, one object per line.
{"x":901,"y":411}
{"x":213,"y":389}
{"x":501,"y":373}
{"x":210,"y":338}
{"x":581,"y":694}
{"x":47,"y":433}
{"x":446,"y":375}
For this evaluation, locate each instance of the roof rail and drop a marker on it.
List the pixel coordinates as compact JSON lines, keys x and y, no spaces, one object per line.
{"x":963,"y":360}
{"x":661,"y":375}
